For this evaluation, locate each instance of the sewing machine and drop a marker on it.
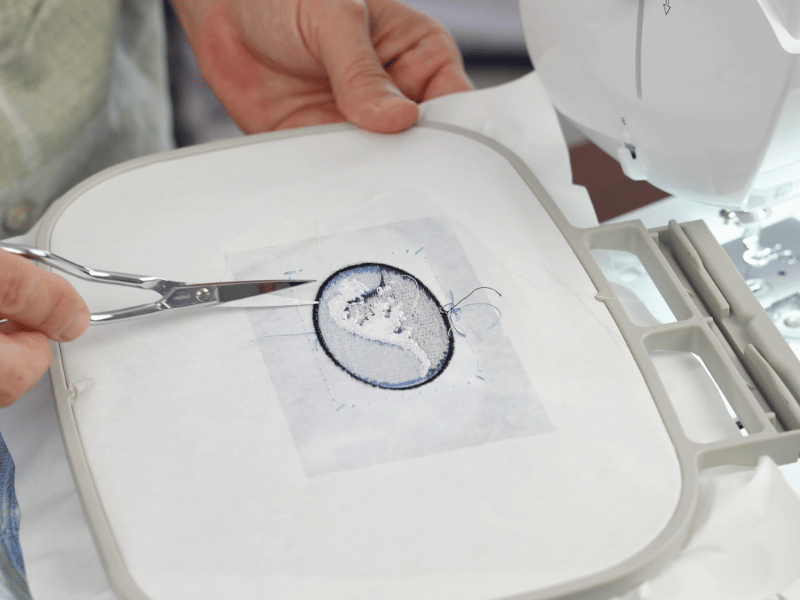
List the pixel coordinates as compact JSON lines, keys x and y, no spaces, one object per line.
{"x":701,"y":100}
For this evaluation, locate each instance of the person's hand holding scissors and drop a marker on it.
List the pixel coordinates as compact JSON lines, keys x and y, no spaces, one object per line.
{"x":35,"y":307}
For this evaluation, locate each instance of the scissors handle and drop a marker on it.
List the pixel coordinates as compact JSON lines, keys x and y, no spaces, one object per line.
{"x":173,"y":293}
{"x":67,"y":266}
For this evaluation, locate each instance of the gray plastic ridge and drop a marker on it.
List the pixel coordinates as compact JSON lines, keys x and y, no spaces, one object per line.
{"x":717,"y":318}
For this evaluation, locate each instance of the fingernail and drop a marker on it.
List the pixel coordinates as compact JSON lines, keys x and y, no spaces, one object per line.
{"x":393,"y":111}
{"x":388,"y":101}
{"x":76,"y":326}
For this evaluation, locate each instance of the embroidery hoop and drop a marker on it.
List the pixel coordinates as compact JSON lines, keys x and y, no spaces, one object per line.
{"x":676,"y":257}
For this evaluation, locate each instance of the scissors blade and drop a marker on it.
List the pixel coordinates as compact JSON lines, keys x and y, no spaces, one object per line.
{"x":210,"y":294}
{"x":237,"y":290}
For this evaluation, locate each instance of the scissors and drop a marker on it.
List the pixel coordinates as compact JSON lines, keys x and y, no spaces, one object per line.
{"x":174,"y":294}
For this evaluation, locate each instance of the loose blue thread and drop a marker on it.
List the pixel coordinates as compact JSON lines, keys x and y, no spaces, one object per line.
{"x":454,"y":312}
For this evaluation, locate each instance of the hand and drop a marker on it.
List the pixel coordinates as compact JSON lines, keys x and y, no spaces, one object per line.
{"x":276,"y":64}
{"x":37,"y":305}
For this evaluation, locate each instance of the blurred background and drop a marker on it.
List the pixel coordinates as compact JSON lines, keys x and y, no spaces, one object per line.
{"x":489,"y":34}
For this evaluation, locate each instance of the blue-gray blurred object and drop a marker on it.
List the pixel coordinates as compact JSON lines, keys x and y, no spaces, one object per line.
{"x":479,"y":26}
{"x":13,"y":585}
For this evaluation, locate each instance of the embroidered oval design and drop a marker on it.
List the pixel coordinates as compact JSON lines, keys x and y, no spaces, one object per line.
{"x":382,"y":326}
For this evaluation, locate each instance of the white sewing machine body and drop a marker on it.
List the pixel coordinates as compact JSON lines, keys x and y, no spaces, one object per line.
{"x":701,"y":99}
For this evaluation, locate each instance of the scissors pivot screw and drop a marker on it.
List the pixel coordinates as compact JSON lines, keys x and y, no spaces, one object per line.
{"x":174,"y":294}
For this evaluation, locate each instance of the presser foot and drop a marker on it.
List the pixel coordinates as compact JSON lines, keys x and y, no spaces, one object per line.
{"x":772,"y":272}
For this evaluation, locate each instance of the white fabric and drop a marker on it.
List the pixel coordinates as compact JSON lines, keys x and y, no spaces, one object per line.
{"x":745,"y":545}
{"x":482,"y":395}
{"x":215,"y":443}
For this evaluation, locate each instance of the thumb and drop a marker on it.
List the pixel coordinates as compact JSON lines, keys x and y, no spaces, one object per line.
{"x":364,"y":92}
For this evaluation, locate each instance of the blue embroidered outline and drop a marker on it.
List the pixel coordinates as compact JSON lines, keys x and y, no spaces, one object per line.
{"x":442,"y":312}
